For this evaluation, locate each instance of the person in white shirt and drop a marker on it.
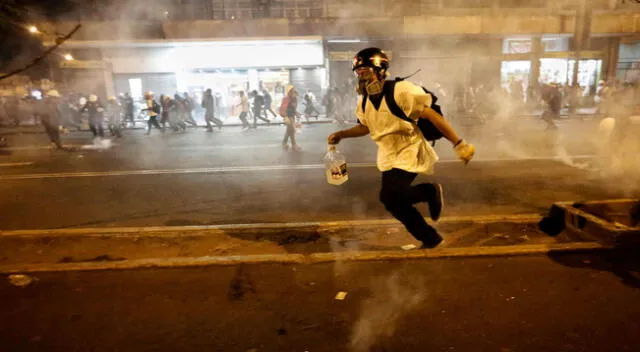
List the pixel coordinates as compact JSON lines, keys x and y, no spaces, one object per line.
{"x":244,"y":110}
{"x":403,"y":151}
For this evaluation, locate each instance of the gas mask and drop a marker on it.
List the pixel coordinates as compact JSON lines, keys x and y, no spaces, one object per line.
{"x":368,"y":82}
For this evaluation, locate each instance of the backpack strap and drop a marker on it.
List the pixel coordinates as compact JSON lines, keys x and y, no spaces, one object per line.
{"x":364,"y":102}
{"x":389,"y":88}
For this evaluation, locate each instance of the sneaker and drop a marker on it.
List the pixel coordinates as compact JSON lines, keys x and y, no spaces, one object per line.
{"x":436,"y":203}
{"x":296,"y":148}
{"x":432,"y":244}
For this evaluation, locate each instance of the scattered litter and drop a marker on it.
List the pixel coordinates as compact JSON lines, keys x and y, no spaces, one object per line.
{"x":20,"y":280}
{"x":525,"y":238}
{"x":501,"y":236}
{"x":511,"y":298}
{"x":409,"y":247}
{"x":392,"y":230}
{"x":586,"y":262}
{"x":80,"y":156}
{"x":341,"y":296}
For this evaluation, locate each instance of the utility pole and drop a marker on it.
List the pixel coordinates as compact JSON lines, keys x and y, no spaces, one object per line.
{"x":581,"y":35}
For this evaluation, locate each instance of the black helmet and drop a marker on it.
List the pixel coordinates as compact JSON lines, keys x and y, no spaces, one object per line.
{"x":371,"y":57}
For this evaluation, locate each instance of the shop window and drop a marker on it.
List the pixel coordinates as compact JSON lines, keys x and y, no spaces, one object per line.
{"x":555,"y":44}
{"x":517,"y":46}
{"x":135,"y":87}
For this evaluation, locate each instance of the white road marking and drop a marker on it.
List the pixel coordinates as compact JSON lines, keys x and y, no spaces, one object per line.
{"x":228,"y":169}
{"x":26,"y":163}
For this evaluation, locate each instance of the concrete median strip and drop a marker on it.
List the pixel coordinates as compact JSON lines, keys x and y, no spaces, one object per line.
{"x":219,"y":229}
{"x":90,"y":249}
{"x":304,"y":259}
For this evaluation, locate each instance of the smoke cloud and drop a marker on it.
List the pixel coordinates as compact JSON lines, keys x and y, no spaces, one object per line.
{"x":392,"y":298}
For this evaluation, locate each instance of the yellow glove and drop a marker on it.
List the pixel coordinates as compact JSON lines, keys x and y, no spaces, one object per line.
{"x":464,"y":151}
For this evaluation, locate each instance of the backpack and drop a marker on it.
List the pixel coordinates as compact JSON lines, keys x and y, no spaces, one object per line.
{"x":155,"y":107}
{"x":429,"y":131}
{"x":283,"y":106}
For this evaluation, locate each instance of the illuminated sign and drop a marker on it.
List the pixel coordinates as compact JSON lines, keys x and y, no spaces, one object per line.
{"x":77,"y":64}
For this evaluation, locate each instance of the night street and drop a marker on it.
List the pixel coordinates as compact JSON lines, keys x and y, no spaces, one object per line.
{"x":231,"y":177}
{"x":205,"y":175}
{"x":560,"y":302}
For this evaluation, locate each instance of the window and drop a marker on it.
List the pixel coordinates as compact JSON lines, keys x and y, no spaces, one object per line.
{"x":135,"y":87}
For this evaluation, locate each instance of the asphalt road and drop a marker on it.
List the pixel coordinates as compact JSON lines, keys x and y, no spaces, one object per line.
{"x":231,"y":176}
{"x":562,"y":302}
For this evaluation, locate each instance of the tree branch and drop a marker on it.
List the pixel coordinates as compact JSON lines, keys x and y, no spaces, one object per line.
{"x":59,"y":41}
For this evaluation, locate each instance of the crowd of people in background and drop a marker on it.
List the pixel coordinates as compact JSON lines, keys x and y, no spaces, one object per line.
{"x":175,"y":112}
{"x":162,"y":112}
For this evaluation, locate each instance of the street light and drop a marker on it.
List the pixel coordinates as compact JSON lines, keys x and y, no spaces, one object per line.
{"x":33,"y":29}
{"x":68,"y":57}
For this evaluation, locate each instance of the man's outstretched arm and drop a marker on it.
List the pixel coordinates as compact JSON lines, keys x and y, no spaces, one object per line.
{"x":356,"y":131}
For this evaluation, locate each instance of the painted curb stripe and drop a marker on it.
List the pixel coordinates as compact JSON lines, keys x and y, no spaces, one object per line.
{"x":317,"y":258}
{"x":214,"y":229}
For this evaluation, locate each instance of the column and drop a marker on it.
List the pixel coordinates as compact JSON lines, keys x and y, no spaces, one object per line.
{"x":536,"y":53}
{"x":611,"y":58}
{"x":581,"y":34}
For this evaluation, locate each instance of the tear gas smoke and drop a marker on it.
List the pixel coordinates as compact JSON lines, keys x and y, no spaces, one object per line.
{"x":392,"y":298}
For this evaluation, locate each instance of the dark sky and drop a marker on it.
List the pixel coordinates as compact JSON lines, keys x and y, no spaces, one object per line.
{"x":18,"y":46}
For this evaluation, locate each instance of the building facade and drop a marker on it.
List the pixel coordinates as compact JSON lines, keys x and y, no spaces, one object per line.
{"x":178,"y":45}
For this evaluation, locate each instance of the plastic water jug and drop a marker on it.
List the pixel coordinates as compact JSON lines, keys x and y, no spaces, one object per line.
{"x":335,"y":167}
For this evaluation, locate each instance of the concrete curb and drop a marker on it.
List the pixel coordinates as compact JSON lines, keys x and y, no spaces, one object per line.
{"x":219,"y":229}
{"x":317,"y":258}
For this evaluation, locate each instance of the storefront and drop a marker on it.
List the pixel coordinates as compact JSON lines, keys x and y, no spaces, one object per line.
{"x":556,"y":63}
{"x":225,"y":66}
{"x":628,"y":65}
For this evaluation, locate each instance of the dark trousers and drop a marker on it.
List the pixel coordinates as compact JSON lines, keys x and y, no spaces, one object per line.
{"x":95,"y":125}
{"x":398,"y":196}
{"x":164,"y":119}
{"x":257,"y":114}
{"x":53,"y":133}
{"x":208,"y":117}
{"x":115,"y":130}
{"x":153,"y":121}
{"x":243,"y":118}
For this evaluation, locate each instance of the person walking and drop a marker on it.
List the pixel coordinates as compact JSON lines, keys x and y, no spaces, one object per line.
{"x":244,"y":110}
{"x":208,"y":103}
{"x":153,"y":110}
{"x":289,"y":109}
